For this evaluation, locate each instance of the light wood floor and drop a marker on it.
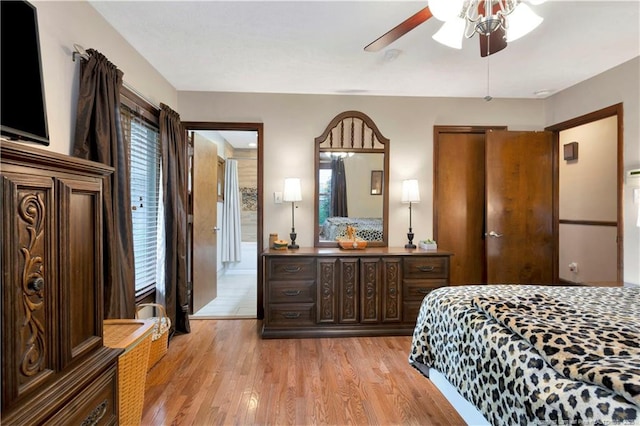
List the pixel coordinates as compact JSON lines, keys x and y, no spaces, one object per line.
{"x":223,"y":373}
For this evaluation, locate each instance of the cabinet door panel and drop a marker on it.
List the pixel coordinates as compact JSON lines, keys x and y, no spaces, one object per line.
{"x":81,"y":266}
{"x":391,"y":289}
{"x":326,"y":290}
{"x":349,"y":290}
{"x":29,"y":286}
{"x":370,"y":290}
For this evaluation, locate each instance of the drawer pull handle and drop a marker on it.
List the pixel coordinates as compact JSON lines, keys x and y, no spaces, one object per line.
{"x":426,"y":268}
{"x":423,"y":290}
{"x":292,"y":269}
{"x":291,"y":292}
{"x":291,"y":315}
{"x":96,"y":415}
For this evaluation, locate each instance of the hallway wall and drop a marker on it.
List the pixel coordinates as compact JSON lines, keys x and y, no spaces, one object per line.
{"x":248,"y":183}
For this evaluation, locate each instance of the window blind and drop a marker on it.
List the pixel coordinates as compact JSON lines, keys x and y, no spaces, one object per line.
{"x":144,"y":160}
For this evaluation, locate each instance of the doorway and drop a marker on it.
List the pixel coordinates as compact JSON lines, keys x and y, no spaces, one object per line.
{"x":590,"y":201}
{"x":239,"y":219}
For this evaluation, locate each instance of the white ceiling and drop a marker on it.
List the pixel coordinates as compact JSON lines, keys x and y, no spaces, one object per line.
{"x":239,"y":139}
{"x":316,"y":47}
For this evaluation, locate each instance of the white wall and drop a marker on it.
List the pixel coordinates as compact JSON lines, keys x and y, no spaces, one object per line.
{"x":63,"y":23}
{"x":621,"y":84}
{"x":291,"y":122}
{"x":588,"y":191}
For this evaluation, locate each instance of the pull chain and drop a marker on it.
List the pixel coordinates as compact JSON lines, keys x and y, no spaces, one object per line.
{"x":488,"y":97}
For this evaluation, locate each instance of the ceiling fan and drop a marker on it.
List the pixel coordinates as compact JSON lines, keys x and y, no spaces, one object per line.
{"x":495,"y":21}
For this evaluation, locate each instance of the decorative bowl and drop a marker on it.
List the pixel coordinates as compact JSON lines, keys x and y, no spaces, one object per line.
{"x":280,"y":244}
{"x":356,"y":244}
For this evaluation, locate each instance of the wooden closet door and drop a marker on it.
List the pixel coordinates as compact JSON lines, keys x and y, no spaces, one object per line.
{"x":459,"y":202}
{"x":519,"y":209}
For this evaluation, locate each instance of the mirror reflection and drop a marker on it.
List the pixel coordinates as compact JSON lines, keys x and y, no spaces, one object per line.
{"x":350,"y":193}
{"x":352,"y":161}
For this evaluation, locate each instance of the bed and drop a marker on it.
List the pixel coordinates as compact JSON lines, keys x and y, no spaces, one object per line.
{"x":535,"y":354}
{"x":367,"y":228}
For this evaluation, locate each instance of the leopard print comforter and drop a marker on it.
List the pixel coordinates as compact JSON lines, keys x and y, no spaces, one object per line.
{"x":534,"y":354}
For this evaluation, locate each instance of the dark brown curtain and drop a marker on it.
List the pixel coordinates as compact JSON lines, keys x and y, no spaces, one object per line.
{"x":174,"y":174}
{"x":338,"y":189}
{"x":99,"y":138}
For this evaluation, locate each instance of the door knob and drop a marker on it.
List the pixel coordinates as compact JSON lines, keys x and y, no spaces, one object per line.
{"x":216,"y":229}
{"x":494,"y":234}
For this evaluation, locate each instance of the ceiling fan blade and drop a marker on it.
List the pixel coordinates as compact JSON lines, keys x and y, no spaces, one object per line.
{"x":493,"y":43}
{"x":400,"y":30}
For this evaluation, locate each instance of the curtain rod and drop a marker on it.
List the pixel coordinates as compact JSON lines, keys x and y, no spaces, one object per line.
{"x":79,"y":51}
{"x":241,"y":158}
{"x":128,"y":86}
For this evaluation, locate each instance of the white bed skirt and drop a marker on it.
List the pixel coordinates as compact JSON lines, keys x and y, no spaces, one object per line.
{"x":467,"y":411}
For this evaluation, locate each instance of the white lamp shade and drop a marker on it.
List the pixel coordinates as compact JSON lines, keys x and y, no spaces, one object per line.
{"x":445,"y":10}
{"x":522,"y":21}
{"x":451,"y":33}
{"x":410,"y":191}
{"x":292,"y":191}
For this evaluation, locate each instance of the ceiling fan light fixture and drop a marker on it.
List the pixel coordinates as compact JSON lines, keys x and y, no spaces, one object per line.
{"x":522,"y":21}
{"x":444,"y":10}
{"x":451,"y":33}
{"x":487,"y":25}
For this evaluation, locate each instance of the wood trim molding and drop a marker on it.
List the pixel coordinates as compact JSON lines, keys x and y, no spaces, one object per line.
{"x":587,"y":222}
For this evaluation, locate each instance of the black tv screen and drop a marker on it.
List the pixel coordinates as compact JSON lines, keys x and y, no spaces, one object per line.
{"x":23,"y":113}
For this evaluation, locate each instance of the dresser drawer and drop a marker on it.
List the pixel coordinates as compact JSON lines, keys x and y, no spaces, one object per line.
{"x":298,"y":268}
{"x":418,"y":267}
{"x":291,"y":291}
{"x":96,"y":405}
{"x":291,"y":315}
{"x":416,"y":290}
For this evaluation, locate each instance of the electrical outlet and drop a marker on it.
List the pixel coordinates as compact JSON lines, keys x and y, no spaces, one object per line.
{"x":277,"y":197}
{"x":573,"y":267}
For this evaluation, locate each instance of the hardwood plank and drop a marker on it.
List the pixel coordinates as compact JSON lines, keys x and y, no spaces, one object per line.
{"x":223,"y":373}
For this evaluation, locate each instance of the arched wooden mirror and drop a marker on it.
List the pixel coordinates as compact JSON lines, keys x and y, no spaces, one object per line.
{"x":352,"y":181}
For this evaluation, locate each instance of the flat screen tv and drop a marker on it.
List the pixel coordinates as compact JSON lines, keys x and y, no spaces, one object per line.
{"x":23,"y":113}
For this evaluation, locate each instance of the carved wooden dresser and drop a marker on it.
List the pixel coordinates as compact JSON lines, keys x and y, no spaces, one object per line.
{"x":55,"y":368}
{"x":319,"y":292}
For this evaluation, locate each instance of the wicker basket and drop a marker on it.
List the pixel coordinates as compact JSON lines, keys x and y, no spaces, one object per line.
{"x":160,"y":337}
{"x":134,"y":336}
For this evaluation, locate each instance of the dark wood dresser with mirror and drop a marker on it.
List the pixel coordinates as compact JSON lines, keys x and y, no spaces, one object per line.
{"x":55,"y":368}
{"x":321,"y":292}
{"x":330,"y":291}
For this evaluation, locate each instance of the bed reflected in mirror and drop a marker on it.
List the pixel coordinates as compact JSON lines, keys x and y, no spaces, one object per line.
{"x":351,"y":181}
{"x":350,"y":194}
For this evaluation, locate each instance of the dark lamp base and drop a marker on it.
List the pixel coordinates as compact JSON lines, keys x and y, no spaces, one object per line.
{"x":410,"y":244}
{"x":293,"y":244}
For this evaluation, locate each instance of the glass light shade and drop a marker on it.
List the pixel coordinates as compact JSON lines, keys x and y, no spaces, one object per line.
{"x":292,"y":191}
{"x":521,"y":21}
{"x":451,"y":33}
{"x":410,"y":191}
{"x":445,"y":10}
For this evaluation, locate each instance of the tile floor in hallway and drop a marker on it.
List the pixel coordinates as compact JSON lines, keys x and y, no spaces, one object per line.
{"x":237,"y":295}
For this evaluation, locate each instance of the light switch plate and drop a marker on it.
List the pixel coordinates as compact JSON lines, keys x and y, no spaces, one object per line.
{"x":277,"y":197}
{"x":636,"y":195}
